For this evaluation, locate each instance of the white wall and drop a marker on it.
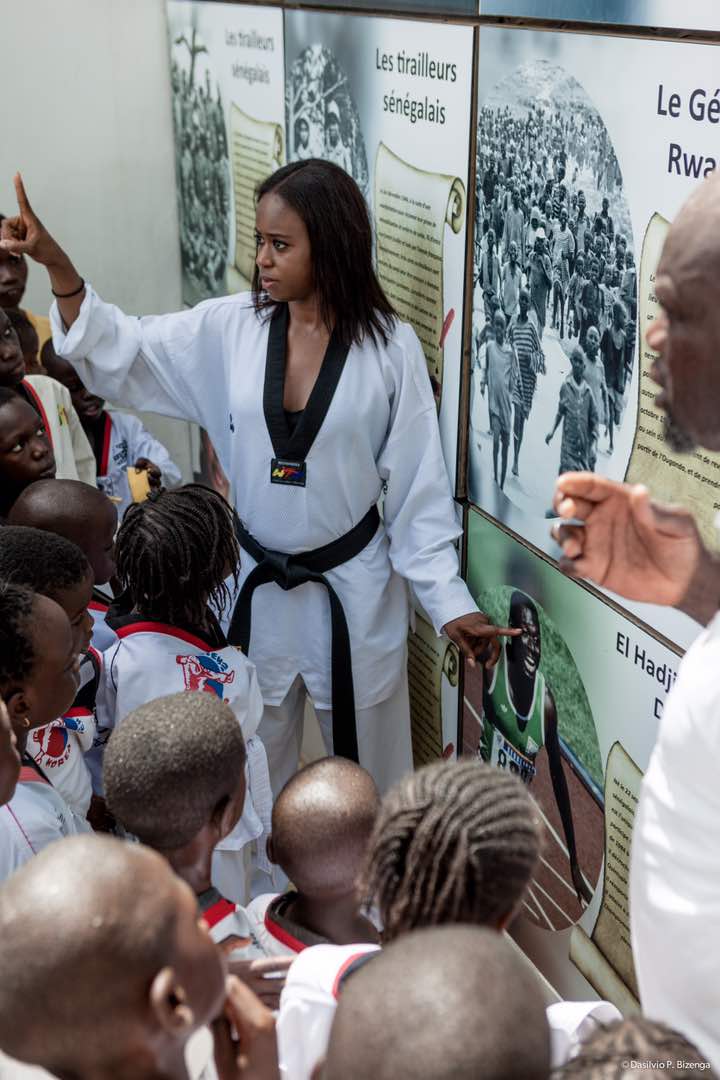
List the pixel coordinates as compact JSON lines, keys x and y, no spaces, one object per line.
{"x":86,"y":118}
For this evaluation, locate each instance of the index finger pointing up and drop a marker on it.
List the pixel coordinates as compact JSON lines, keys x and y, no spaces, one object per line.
{"x":22,"y":199}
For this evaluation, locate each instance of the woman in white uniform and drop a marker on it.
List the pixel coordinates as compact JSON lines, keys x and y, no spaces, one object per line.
{"x":317,"y":400}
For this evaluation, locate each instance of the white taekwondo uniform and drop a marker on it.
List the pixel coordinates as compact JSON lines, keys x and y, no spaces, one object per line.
{"x":378,"y":434}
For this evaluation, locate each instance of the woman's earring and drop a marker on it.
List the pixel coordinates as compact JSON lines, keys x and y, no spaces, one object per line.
{"x":26,"y":722}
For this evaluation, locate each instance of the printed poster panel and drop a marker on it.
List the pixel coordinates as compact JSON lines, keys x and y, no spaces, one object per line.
{"x":226,"y":65}
{"x":420,"y":7}
{"x":572,"y":708}
{"x":690,"y":15}
{"x":433,"y":678}
{"x":578,"y":174}
{"x":389,"y":101}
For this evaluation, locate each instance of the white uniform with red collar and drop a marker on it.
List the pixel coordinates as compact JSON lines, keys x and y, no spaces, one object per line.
{"x":308,"y":1002}
{"x":103,"y":636}
{"x":59,"y":748}
{"x":35,"y":817}
{"x":74,"y":459}
{"x":151,"y":660}
{"x":313,"y":985}
{"x":124,"y":440}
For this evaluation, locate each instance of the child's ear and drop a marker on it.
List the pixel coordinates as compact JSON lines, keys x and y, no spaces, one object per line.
{"x":269,"y":850}
{"x":168,"y":1002}
{"x":18,"y":708}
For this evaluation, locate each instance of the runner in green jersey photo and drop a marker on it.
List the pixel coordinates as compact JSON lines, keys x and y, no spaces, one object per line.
{"x":520,"y":717}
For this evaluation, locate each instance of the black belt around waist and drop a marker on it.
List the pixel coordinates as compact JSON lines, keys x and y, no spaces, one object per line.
{"x":289,"y":571}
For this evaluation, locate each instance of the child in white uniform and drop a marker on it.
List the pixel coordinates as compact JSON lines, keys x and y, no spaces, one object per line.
{"x":38,"y":682}
{"x":416,"y":876}
{"x":85,"y":516}
{"x":55,"y":567}
{"x":173,"y":553}
{"x":119,"y":440}
{"x":321,"y":824}
{"x":175,"y":778}
{"x":107,"y":970}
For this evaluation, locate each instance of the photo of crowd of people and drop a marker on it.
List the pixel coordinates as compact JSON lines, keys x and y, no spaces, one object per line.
{"x":202,"y":168}
{"x":554,"y":289}
{"x":322,"y":119}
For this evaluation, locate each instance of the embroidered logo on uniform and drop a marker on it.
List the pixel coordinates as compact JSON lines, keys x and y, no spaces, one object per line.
{"x":288,"y":472}
{"x":206,"y":671}
{"x":53,"y":745}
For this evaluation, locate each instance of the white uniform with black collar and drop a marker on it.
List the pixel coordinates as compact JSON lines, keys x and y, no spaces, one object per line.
{"x":380,"y":433}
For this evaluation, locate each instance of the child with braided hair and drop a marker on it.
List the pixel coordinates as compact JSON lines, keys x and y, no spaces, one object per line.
{"x":174,"y":553}
{"x":454,"y":842}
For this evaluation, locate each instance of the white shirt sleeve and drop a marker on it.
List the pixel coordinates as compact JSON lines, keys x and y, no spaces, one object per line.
{"x":170,"y":364}
{"x":420,"y":514}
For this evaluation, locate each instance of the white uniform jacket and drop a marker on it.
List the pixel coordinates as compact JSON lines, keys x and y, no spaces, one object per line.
{"x":380,"y":433}
{"x":151,"y":660}
{"x":74,"y":459}
{"x":124,"y":440}
{"x":35,"y":817}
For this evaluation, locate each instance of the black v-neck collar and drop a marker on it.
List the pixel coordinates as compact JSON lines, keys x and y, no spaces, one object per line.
{"x":295,"y":445}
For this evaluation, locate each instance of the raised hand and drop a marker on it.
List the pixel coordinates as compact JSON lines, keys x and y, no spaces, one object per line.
{"x":25,"y":233}
{"x":631,"y":545}
{"x":477,"y":638}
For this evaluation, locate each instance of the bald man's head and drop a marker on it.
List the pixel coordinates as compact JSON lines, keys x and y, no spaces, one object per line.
{"x":449,"y":1003}
{"x":321,"y":824}
{"x":98,"y":938}
{"x":687,"y":285}
{"x":76,"y":511}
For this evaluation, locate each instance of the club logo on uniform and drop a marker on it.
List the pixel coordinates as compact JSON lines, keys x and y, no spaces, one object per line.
{"x":52,"y":745}
{"x":288,"y":472}
{"x":205,"y":671}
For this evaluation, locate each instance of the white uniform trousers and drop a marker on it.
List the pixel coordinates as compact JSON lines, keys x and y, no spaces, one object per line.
{"x":384,"y":744}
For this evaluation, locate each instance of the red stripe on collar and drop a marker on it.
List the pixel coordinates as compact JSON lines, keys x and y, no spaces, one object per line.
{"x":29,"y":389}
{"x":29,"y":775}
{"x":105,"y":454}
{"x":163,"y":628}
{"x":283,"y":936}
{"x":217,"y":912}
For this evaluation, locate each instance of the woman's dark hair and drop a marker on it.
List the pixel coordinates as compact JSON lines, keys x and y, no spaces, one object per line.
{"x":335,"y":214}
{"x":174,"y":552}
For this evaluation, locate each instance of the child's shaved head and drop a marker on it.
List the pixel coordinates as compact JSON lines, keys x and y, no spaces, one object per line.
{"x":76,"y":511}
{"x":321,"y":823}
{"x":168,"y":765}
{"x":99,"y":944}
{"x":448,"y":1003}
